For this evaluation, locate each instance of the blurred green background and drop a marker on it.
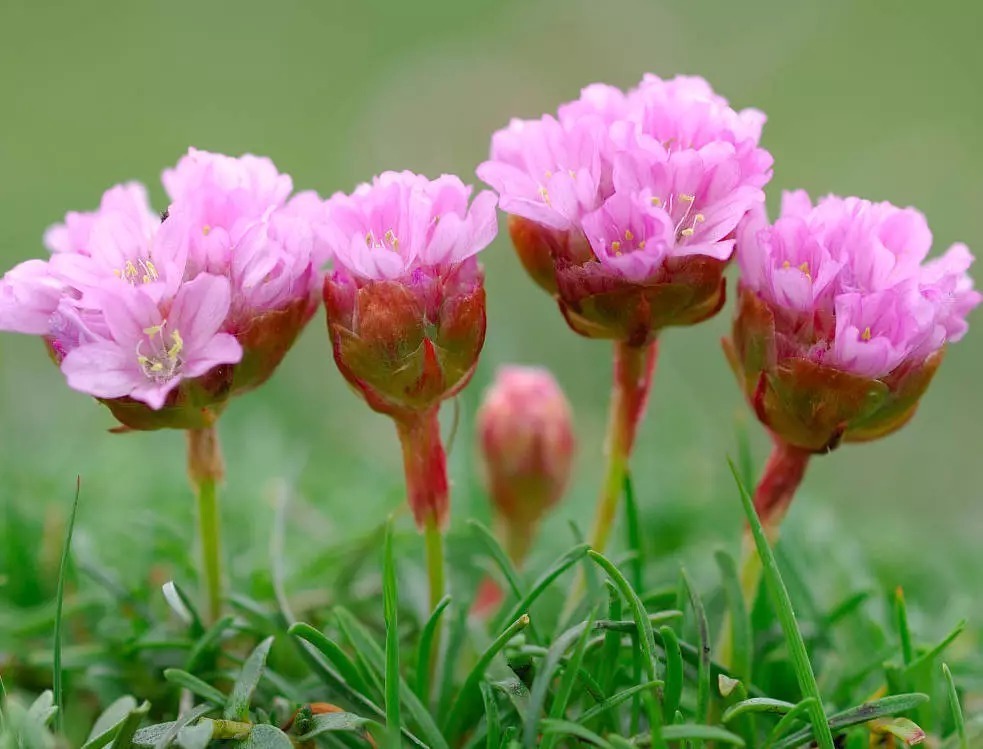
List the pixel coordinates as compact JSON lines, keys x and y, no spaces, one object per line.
{"x":871,"y":98}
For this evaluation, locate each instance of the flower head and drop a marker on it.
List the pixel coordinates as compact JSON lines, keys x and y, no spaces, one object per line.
{"x":625,"y":205}
{"x":163,"y":317}
{"x":840,"y":324}
{"x":405,"y":303}
{"x":526,"y":439}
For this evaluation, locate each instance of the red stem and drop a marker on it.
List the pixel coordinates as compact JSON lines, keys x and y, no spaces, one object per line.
{"x":783,"y":473}
{"x":425,"y":465}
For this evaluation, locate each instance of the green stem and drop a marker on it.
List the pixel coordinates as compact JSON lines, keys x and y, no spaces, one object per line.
{"x":633,"y":369}
{"x":205,"y":471}
{"x":434,"y":540}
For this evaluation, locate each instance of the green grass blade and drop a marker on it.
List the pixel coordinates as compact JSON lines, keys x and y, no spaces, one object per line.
{"x":646,"y":635}
{"x":673,"y":690}
{"x":544,"y":678}
{"x":206,"y":642}
{"x":497,"y":554}
{"x":933,"y":653}
{"x":904,"y":631}
{"x":694,"y":732}
{"x":786,"y":617}
{"x":237,"y":706}
{"x":756,"y":705}
{"x":703,"y":662}
{"x":619,"y":698}
{"x":333,"y":652}
{"x":425,"y":649}
{"x":798,"y":713}
{"x":390,"y":600}
{"x":882,"y":708}
{"x":57,"y":682}
{"x":493,"y":718}
{"x":556,"y":569}
{"x":375,"y":657}
{"x":552,"y":728}
{"x":470,"y":692}
{"x":128,"y":728}
{"x":634,"y":532}
{"x":195,"y":685}
{"x":958,"y":721}
{"x":742,"y":648}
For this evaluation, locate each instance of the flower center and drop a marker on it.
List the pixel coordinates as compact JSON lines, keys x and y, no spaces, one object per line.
{"x":159,"y":355}
{"x":142,"y":271}
{"x":682,"y":204}
{"x":619,"y":247}
{"x":389,"y":241}
{"x":804,"y":267}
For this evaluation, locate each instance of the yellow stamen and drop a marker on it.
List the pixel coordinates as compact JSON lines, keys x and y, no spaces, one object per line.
{"x":641,"y":245}
{"x":687,"y":232}
{"x":786,"y":265}
{"x":616,"y":247}
{"x":153,"y":329}
{"x":865,"y":336}
{"x":656,"y":201}
{"x":699,"y":218}
{"x":628,"y":235}
{"x":173,"y":351}
{"x":686,"y":198}
{"x":206,"y":229}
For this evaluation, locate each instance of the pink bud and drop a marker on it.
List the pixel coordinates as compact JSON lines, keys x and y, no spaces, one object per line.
{"x":527,"y":443}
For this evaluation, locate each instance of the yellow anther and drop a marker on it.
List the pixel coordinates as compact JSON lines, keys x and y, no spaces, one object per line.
{"x":641,"y":245}
{"x":865,"y":336}
{"x":686,"y":198}
{"x":687,"y":232}
{"x":805,"y":270}
{"x":117,"y":273}
{"x":206,"y":229}
{"x":616,"y":247}
{"x":699,"y":218}
{"x":151,"y":270}
{"x":544,"y":194}
{"x":153,"y":330}
{"x":628,"y":235}
{"x":392,"y":239}
{"x":157,"y":367}
{"x":786,"y":265}
{"x":656,"y":201}
{"x":549,"y":174}
{"x":142,"y":360}
{"x":173,"y":351}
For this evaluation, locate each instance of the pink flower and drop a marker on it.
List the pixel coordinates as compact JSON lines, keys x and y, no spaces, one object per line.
{"x":147,"y":355}
{"x":624,"y":207}
{"x":406,"y":304}
{"x":231,"y":222}
{"x":841,"y":324}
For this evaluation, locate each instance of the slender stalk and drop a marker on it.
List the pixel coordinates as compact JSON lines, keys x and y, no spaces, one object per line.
{"x":425,"y":466}
{"x":633,"y":370}
{"x":205,"y":469}
{"x":782,"y":476}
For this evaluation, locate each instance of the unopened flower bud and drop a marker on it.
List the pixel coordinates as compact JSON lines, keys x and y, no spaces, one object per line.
{"x":526,"y":438}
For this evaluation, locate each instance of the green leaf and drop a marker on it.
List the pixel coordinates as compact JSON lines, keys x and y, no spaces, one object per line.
{"x":390,"y":601}
{"x":882,"y":708}
{"x":957,"y":711}
{"x":544,"y":677}
{"x":619,"y":698}
{"x":43,"y":709}
{"x":798,"y":713}
{"x":112,"y":716}
{"x":332,"y":722}
{"x":57,"y":676}
{"x":786,"y":616}
{"x":493,"y":719}
{"x":693,"y":732}
{"x":374,"y":656}
{"x":333,"y":652}
{"x":470,"y":693}
{"x":741,"y":642}
{"x":424,"y":651}
{"x":237,"y":706}
{"x":194,"y":737}
{"x":646,"y":635}
{"x":128,"y":728}
{"x":184,"y":724}
{"x":902,"y":728}
{"x":703,"y":660}
{"x":756,"y":705}
{"x":264,"y":736}
{"x":552,"y":727}
{"x":556,"y":569}
{"x":206,"y":643}
{"x":933,"y":653}
{"x":674,"y":673}
{"x":497,"y":554}
{"x":195,"y":685}
{"x":904,"y":632}
{"x":634,"y":531}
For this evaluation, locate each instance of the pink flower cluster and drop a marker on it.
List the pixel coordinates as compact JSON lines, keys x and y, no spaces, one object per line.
{"x":665,"y":170}
{"x":137,"y":306}
{"x":847,"y":282}
{"x":405,"y":301}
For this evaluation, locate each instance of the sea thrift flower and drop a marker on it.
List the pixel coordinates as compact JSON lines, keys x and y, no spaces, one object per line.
{"x":164,"y":316}
{"x":526,"y":441}
{"x":624,"y":207}
{"x":405,"y":303}
{"x":840,"y":323}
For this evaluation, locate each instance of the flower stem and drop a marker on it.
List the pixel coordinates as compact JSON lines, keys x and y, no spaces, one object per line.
{"x":782,"y":476}
{"x":633,"y":370}
{"x":425,"y":466}
{"x":205,"y":470}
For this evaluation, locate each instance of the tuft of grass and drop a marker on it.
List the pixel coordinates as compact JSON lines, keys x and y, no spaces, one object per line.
{"x":390,"y":599}
{"x":57,"y":680}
